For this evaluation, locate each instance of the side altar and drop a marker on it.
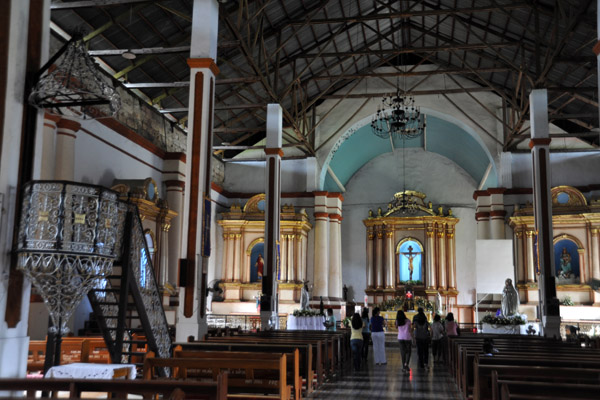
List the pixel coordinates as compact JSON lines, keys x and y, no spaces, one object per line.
{"x":410,"y":245}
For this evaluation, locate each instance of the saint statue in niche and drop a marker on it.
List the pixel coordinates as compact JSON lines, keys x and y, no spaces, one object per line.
{"x":565,"y":264}
{"x":304,"y":296}
{"x":259,"y":266}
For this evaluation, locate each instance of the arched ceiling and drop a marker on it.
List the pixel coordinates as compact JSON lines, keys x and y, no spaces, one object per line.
{"x":443,"y":137}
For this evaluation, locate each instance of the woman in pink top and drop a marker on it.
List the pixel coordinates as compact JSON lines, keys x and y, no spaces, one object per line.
{"x":451,"y":326}
{"x":404,"y":338}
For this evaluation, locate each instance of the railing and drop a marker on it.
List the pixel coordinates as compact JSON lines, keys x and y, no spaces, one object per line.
{"x":246,"y":322}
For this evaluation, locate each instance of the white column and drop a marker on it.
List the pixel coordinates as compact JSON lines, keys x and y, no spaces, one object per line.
{"x":301,"y":257}
{"x":482,"y":214}
{"x":291,"y":258}
{"x":595,"y":254}
{"x":518,"y":238}
{"x":321,"y":264}
{"x":370,"y":238}
{"x":497,"y":213}
{"x":48,"y":146}
{"x":430,"y":279}
{"x":237,"y":259}
{"x":335,"y":265}
{"x":174,"y":181}
{"x":389,"y":260}
{"x":530,"y":257}
{"x":540,"y":151}
{"x":283,"y":241}
{"x":451,"y":258}
{"x":66,"y":133}
{"x":441,"y":236}
{"x":203,"y":70}
{"x":379,"y":259}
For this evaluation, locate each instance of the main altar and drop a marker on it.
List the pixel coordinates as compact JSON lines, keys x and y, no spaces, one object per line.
{"x":411,"y":247}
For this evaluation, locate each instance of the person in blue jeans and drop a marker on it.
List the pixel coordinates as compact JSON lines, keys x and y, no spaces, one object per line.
{"x":356,"y":340}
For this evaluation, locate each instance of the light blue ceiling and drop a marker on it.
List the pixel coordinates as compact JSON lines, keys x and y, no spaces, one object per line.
{"x":442,"y":137}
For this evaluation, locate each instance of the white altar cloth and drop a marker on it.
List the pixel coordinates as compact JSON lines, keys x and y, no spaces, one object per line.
{"x":89,"y":371}
{"x":305,"y":323}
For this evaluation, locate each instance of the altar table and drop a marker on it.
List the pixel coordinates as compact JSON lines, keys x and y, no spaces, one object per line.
{"x":92,"y":371}
{"x":305,"y":323}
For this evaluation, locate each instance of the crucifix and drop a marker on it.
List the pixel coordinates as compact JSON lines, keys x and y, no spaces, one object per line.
{"x":411,"y":256}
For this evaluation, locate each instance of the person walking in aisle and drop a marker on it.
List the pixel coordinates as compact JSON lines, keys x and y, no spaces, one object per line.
{"x":451,"y":326}
{"x":356,"y":340}
{"x":378,"y":337}
{"x":437,"y":335}
{"x":404,"y":339}
{"x":421,"y":329}
{"x":366,"y":332}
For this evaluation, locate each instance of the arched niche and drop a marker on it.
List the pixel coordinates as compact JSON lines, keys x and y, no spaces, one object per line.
{"x":256,"y":250}
{"x":409,"y":254}
{"x":576,"y":227}
{"x":432,"y":235}
{"x":243,"y":230}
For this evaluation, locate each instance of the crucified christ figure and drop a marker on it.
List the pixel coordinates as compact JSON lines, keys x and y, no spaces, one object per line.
{"x":411,"y":256}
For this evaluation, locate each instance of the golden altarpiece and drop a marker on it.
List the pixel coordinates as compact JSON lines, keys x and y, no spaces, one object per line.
{"x":243,"y":248}
{"x":575,"y":226}
{"x":411,"y":247}
{"x":156,"y":219}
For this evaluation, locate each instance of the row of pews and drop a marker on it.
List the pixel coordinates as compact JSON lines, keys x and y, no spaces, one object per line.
{"x":523,"y":367}
{"x":275,"y":364}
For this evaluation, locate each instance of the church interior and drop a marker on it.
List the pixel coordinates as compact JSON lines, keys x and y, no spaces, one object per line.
{"x":202,"y":165}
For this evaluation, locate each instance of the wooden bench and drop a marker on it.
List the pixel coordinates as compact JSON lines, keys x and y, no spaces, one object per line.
{"x":322,"y":361}
{"x":307,"y":371}
{"x":543,"y":390}
{"x":246,"y":383}
{"x":293,"y":362}
{"x":169,"y":389}
{"x":72,"y":349}
{"x":486,"y":386}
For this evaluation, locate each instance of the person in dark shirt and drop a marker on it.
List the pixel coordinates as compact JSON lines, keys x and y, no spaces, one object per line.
{"x":378,"y":337}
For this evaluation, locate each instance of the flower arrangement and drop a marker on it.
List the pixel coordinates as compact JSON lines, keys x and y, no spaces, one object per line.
{"x":346,"y":322}
{"x":566,"y":301}
{"x":305,"y":313}
{"x":397,"y":303}
{"x":499,"y":320}
{"x":412,"y":283}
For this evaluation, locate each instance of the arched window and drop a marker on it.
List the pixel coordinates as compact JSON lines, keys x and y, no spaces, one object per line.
{"x":410,"y":255}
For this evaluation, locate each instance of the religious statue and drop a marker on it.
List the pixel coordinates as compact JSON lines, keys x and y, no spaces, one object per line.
{"x":411,"y":256}
{"x":260,"y":263}
{"x":345,"y":293}
{"x":304,"y":296}
{"x":438,"y":303}
{"x":321,"y":306}
{"x":510,"y":300}
{"x":565,"y":264}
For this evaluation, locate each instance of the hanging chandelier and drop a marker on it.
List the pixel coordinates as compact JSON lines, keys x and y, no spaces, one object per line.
{"x":397,"y":116}
{"x":74,"y":86}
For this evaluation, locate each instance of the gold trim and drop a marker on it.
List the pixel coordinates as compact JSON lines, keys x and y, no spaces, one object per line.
{"x":254,"y":243}
{"x":407,"y":239}
{"x":565,"y":236}
{"x":252,"y":203}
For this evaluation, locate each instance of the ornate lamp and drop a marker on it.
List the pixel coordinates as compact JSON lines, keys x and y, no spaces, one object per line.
{"x":74,"y":85}
{"x":398,"y":116}
{"x":69,"y":236}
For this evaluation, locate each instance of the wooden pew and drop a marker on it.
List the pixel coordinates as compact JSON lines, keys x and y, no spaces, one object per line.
{"x":72,"y":349}
{"x":210,"y":390}
{"x":236,"y":385}
{"x":321,"y":362}
{"x":307,"y":371}
{"x":487,"y":376}
{"x":293,"y":359}
{"x":544,"y":390}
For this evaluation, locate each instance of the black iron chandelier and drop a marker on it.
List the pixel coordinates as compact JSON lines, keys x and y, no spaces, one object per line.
{"x":397,"y":116}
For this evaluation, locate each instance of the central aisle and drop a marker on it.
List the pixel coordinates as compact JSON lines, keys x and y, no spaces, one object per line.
{"x":388,"y":381}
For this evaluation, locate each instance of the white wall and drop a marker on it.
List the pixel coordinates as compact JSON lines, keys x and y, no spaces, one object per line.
{"x":573,"y":169}
{"x":102,"y":155}
{"x":250,"y":177}
{"x":494,"y":265}
{"x":444,"y":183}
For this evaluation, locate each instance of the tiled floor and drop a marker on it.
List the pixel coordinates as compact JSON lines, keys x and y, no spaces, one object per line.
{"x":388,"y":381}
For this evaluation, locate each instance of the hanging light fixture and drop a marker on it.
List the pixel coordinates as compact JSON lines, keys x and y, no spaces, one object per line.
{"x":74,"y":86}
{"x":398,"y":117}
